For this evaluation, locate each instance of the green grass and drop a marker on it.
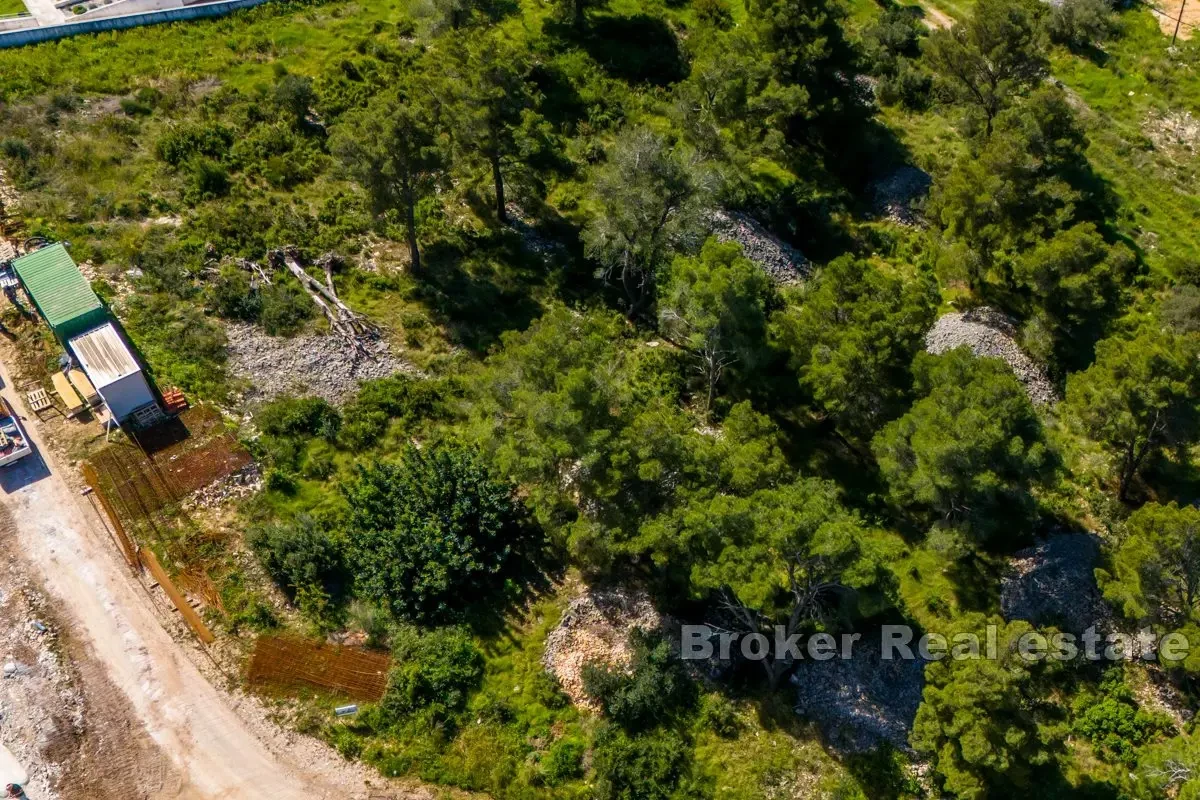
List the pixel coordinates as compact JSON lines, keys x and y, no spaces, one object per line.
{"x":1120,"y":91}
{"x":11,"y":7}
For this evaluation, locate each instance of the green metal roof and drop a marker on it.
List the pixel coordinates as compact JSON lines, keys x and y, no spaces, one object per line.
{"x":56,"y":285}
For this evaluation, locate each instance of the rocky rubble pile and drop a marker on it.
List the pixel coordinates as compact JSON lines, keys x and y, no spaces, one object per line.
{"x":596,"y":627}
{"x":782,"y":262}
{"x":40,"y":707}
{"x":990,"y":333}
{"x":860,"y":702}
{"x":236,"y":486}
{"x":1178,"y":130}
{"x":1054,"y":583}
{"x":896,"y":194}
{"x":325,"y":366}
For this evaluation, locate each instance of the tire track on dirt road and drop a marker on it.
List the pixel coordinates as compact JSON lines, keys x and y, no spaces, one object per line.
{"x":192,"y":725}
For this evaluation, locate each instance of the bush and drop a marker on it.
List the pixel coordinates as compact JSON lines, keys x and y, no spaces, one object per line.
{"x":378,"y":402}
{"x":184,"y":143}
{"x":1081,"y":23}
{"x":908,"y":86}
{"x":654,"y":690}
{"x":207,"y":179}
{"x":1113,"y":722}
{"x":300,"y":555}
{"x":232,"y":295}
{"x":299,"y":416}
{"x":422,"y":530}
{"x":716,"y":13}
{"x":434,"y":674}
{"x":284,"y":309}
{"x":647,"y":767}
{"x":563,"y":762}
{"x":718,"y":714}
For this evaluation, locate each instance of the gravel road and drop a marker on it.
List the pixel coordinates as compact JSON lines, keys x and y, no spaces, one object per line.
{"x":179,"y":736}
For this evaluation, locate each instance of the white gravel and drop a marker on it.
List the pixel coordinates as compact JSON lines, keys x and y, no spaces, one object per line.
{"x":596,"y":627}
{"x":989,"y":333}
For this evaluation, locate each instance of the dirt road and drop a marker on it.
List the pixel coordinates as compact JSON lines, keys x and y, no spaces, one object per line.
{"x":197,"y":745}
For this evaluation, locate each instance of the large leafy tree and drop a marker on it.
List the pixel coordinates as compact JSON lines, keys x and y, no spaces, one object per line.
{"x":1141,"y":394}
{"x":391,"y":148}
{"x":428,"y":535}
{"x":491,"y":110}
{"x":970,"y":448}
{"x":1155,"y":572}
{"x":982,"y":62}
{"x":986,"y":724}
{"x":852,"y":334}
{"x":790,"y":555}
{"x":1019,"y":186}
{"x":648,"y":198}
{"x":714,"y":306}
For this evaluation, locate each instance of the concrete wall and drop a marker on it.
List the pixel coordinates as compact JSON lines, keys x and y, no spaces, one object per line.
{"x":17,"y":22}
{"x":124,"y":7}
{"x":51,"y":32}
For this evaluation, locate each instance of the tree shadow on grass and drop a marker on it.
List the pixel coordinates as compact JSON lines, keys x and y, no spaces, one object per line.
{"x":533,"y":572}
{"x":976,"y":580}
{"x":640,"y":49}
{"x":481,"y":289}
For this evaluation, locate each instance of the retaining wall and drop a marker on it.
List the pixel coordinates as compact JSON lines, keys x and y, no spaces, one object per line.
{"x":48,"y":33}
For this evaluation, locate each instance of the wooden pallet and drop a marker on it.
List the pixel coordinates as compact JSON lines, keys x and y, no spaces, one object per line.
{"x":39,"y":401}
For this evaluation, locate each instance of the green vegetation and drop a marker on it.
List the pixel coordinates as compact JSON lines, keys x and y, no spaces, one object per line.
{"x":522,"y":196}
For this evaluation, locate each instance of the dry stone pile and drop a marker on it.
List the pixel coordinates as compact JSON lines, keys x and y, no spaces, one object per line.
{"x":1054,"y":583}
{"x":895,"y":195}
{"x":782,"y":262}
{"x":990,"y":333}
{"x":863,"y":701}
{"x":315,"y":364}
{"x":596,"y":627}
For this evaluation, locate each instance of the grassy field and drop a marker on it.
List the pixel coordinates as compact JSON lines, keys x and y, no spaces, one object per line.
{"x":1122,"y":92}
{"x":10,"y":7}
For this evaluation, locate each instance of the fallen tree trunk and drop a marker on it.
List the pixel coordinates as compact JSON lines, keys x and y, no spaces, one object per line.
{"x":346,"y":323}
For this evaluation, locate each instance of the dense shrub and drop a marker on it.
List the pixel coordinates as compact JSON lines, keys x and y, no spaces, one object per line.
{"x":1081,"y":23}
{"x":302,"y":556}
{"x":654,"y":690}
{"x":1113,"y":722}
{"x":285,"y":308}
{"x":421,"y":530}
{"x":434,"y":673}
{"x":563,"y":761}
{"x":381,"y":401}
{"x":299,"y":416}
{"x":651,"y":766}
{"x":232,"y":296}
{"x":185,"y":142}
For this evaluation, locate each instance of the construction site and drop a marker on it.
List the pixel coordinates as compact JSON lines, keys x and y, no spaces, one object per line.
{"x":110,"y":668}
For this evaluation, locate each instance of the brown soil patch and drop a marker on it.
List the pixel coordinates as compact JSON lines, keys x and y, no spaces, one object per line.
{"x":1167,"y":12}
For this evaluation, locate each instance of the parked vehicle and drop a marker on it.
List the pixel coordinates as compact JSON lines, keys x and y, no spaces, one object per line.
{"x":14,"y":444}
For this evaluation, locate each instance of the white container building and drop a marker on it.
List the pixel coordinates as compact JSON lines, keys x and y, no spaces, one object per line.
{"x":115,"y":373}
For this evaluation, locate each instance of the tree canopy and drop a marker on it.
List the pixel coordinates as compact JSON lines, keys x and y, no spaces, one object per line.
{"x":1139,"y":396}
{"x":430,"y":535}
{"x":970,"y":449}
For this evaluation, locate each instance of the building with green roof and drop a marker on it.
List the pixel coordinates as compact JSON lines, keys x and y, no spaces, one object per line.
{"x":60,"y":291}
